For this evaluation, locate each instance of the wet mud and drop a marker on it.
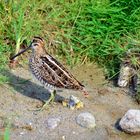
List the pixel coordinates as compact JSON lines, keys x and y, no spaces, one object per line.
{"x":22,"y":96}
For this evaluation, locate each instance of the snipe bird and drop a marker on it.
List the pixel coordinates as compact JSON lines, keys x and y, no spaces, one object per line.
{"x":48,"y":71}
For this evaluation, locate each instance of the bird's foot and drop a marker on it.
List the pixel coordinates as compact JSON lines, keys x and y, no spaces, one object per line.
{"x":49,"y":101}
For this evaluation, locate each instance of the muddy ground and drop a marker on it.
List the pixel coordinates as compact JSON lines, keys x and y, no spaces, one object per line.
{"x":21,"y":97}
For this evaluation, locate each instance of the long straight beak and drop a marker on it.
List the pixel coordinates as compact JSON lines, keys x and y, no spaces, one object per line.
{"x":20,"y":52}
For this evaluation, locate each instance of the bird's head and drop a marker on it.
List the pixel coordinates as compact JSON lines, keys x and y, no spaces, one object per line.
{"x":37,"y":45}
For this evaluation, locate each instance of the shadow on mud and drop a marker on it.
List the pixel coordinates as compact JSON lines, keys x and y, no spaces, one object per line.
{"x":117,"y":126}
{"x":28,"y":88}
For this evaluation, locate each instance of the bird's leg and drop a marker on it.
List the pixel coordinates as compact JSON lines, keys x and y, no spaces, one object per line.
{"x":53,"y":94}
{"x":50,"y":100}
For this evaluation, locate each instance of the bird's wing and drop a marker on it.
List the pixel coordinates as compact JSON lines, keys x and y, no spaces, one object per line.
{"x":58,"y":74}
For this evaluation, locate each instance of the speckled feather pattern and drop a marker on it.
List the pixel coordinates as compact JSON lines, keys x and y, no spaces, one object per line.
{"x":50,"y":72}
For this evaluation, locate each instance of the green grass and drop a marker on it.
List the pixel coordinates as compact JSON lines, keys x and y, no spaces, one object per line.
{"x":78,"y":30}
{"x":7,"y":134}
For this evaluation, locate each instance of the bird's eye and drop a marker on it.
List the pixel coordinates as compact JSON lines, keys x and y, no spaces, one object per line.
{"x":35,"y":44}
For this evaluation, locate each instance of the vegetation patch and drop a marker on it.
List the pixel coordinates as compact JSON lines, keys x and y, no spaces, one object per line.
{"x":80,"y":31}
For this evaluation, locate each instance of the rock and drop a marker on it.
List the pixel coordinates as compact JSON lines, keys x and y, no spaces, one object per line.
{"x":73,"y":103}
{"x":130,"y":122}
{"x":28,"y":126}
{"x":53,"y":122}
{"x":86,"y":120}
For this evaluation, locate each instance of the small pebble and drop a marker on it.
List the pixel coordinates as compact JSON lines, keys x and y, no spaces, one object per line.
{"x":63,"y":137}
{"x":28,"y":126}
{"x":53,"y":122}
{"x":130,"y":122}
{"x":73,"y":103}
{"x":86,"y":120}
{"x":73,"y":132}
{"x":21,"y":133}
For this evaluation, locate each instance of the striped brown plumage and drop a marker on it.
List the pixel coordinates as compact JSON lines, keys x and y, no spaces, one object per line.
{"x":48,"y":71}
